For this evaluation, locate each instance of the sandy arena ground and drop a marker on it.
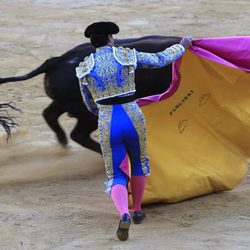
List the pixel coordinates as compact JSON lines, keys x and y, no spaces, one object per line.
{"x":52,"y":198}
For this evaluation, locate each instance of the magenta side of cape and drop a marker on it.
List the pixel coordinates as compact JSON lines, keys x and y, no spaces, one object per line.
{"x":230,"y":51}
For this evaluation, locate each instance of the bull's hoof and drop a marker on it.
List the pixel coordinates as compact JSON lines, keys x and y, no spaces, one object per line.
{"x":62,"y":140}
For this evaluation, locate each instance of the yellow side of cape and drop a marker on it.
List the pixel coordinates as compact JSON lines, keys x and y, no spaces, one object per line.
{"x":199,"y":138}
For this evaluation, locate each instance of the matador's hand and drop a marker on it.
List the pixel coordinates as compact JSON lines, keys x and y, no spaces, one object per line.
{"x":186,"y":41}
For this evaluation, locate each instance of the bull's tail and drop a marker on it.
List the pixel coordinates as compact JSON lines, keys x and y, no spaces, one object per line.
{"x":6,"y":120}
{"x":43,"y":68}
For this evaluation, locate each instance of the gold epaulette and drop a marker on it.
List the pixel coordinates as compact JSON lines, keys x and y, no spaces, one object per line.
{"x":125,"y":56}
{"x":85,"y":67}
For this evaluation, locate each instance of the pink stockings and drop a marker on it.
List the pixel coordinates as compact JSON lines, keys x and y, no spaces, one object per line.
{"x":119,"y":194}
{"x":137,"y":186}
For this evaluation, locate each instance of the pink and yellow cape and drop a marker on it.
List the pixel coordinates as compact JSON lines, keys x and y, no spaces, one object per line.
{"x":198,"y":131}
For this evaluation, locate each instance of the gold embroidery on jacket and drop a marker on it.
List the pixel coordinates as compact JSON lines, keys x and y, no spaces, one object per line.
{"x":110,"y":78}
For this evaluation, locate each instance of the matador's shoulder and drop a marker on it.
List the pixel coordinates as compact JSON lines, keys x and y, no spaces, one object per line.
{"x":85,"y":67}
{"x":125,"y":56}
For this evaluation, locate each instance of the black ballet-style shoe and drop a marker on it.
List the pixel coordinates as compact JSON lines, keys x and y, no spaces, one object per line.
{"x":123,"y":228}
{"x":138,"y":217}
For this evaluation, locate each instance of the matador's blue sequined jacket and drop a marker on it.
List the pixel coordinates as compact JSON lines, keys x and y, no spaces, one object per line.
{"x":110,"y":71}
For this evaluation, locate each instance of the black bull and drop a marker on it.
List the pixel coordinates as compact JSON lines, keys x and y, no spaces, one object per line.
{"x":61,"y":85}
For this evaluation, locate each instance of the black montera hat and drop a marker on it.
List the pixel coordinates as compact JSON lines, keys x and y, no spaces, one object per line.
{"x":101,"y":28}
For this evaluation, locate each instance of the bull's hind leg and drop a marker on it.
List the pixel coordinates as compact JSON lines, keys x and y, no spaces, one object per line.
{"x":81,"y":134}
{"x":51,"y":115}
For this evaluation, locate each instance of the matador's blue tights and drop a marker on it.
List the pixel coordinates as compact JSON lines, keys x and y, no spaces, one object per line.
{"x":124,"y":139}
{"x":121,"y":132}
